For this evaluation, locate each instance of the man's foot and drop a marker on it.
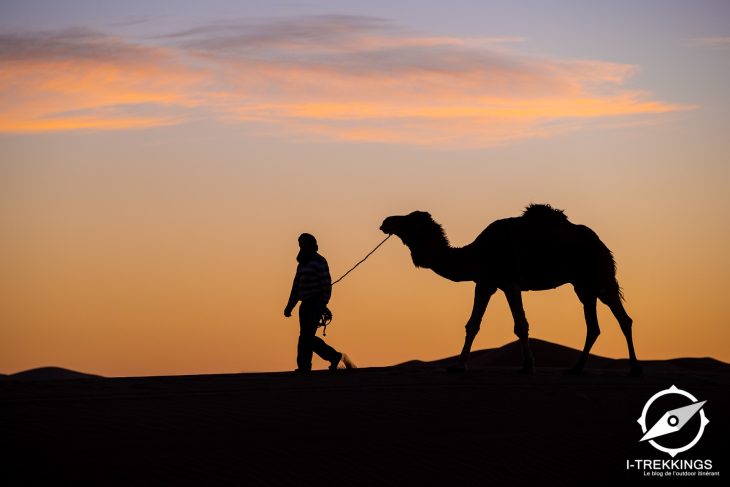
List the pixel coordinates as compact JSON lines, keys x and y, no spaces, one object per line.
{"x":343,"y":362}
{"x":302,"y":371}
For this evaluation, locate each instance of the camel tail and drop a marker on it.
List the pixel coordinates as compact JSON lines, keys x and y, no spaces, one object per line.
{"x":599,"y":258}
{"x":619,"y":289}
{"x":615,"y":286}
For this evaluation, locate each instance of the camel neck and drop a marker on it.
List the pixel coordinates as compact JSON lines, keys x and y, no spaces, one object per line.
{"x":454,"y":264}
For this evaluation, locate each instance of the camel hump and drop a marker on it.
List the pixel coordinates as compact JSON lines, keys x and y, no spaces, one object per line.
{"x":544,"y":212}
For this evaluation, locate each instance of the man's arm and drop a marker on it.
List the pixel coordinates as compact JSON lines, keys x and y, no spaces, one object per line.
{"x":293,"y":296}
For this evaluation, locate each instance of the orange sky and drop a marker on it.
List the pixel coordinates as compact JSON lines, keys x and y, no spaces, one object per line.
{"x":151,"y":192}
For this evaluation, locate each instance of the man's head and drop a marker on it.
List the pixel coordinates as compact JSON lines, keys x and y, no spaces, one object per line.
{"x":307,"y":242}
{"x":307,"y":247}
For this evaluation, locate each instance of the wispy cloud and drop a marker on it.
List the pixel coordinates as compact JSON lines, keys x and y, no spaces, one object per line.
{"x":83,"y":80}
{"x":718,"y":41}
{"x":342,"y":77}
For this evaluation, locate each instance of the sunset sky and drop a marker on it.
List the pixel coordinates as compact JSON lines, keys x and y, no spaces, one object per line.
{"x":159,"y":159}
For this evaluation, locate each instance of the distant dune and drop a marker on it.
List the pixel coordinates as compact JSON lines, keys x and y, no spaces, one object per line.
{"x":549,"y":354}
{"x":49,"y":373}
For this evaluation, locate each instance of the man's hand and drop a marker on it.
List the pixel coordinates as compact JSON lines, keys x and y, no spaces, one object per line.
{"x":326,"y":314}
{"x":287,"y":311}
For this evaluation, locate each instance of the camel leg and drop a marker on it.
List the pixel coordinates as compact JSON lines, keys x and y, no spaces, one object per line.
{"x":613,"y":301}
{"x":482,"y":293}
{"x":522,"y":328}
{"x":592,"y":329}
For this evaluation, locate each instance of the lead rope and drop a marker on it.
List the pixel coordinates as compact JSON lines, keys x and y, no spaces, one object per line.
{"x":363,"y":259}
{"x":326,"y":318}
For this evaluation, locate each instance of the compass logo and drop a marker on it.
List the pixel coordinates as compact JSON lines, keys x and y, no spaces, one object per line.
{"x":673,"y":420}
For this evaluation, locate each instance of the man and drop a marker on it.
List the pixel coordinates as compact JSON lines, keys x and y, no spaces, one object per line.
{"x":313,"y":287}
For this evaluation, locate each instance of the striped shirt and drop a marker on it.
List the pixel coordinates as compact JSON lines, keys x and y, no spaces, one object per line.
{"x":312,"y":279}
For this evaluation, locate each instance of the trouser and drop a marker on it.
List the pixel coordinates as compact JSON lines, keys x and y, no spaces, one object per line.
{"x":310,"y":311}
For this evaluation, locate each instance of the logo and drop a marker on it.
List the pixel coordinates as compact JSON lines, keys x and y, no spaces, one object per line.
{"x":673,"y":420}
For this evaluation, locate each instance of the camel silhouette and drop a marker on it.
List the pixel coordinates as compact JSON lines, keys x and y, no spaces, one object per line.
{"x":536,"y":251}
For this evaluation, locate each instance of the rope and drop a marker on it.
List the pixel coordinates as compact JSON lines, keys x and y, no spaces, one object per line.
{"x":363,"y":260}
{"x":326,"y":318}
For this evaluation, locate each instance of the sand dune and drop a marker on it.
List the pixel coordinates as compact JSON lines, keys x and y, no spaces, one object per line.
{"x":510,"y":355}
{"x":549,"y":354}
{"x":404,"y":425}
{"x":49,"y":373}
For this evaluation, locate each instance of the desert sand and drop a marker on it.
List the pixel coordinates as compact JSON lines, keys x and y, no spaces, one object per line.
{"x":412,"y":424}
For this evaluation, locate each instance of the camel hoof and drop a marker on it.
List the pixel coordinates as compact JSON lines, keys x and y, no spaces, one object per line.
{"x":456,"y":369}
{"x":573,"y":371}
{"x":635,"y":371}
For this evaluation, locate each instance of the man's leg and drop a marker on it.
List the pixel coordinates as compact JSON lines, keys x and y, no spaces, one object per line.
{"x":311,"y":311}
{"x":325,"y":351}
{"x":307,"y":330}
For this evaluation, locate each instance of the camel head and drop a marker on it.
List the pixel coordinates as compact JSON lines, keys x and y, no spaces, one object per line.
{"x":420,"y":233}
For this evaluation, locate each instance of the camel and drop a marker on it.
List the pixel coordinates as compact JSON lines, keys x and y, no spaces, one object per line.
{"x":539,"y":250}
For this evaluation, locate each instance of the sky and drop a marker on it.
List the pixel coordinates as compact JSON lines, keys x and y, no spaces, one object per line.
{"x":159,"y":159}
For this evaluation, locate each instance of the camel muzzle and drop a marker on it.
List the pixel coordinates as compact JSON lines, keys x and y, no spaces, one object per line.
{"x":388,"y":226}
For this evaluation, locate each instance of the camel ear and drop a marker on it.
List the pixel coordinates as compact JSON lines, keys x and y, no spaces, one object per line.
{"x":422,"y":214}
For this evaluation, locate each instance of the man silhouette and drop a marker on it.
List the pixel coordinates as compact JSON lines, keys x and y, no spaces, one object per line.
{"x":313,"y":287}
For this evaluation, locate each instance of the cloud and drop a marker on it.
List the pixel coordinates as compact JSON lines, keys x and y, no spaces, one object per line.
{"x":710,"y":41}
{"x":341,"y":77}
{"x":83,"y":80}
